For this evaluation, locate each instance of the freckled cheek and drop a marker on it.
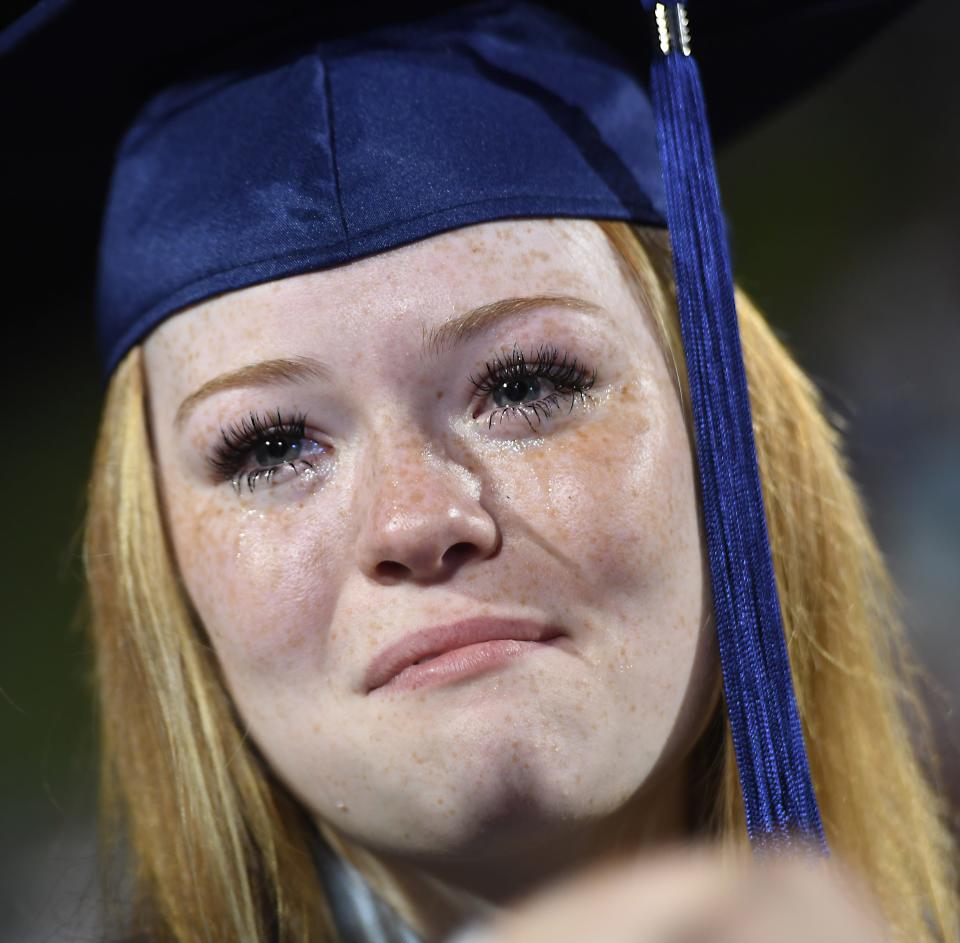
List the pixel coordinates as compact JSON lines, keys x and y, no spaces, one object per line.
{"x":261,"y":580}
{"x":617,"y":492}
{"x":654,"y":505}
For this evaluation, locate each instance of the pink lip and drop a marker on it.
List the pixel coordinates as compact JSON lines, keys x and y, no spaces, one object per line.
{"x":469,"y":647}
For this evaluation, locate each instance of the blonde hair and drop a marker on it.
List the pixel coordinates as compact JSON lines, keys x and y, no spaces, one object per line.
{"x":213,"y":846}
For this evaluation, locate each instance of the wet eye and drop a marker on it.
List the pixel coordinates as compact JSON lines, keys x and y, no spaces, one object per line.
{"x":514,"y":392}
{"x":532,"y":386}
{"x":259,"y":448}
{"x":277,"y":449}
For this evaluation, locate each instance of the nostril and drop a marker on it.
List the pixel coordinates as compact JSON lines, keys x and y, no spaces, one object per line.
{"x":390,"y":569}
{"x":458,"y":554}
{"x":427,"y":566}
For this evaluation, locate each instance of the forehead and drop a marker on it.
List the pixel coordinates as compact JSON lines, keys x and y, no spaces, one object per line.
{"x":385,"y":299}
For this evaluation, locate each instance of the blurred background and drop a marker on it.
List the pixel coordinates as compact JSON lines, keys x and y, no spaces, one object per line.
{"x":845,"y":216}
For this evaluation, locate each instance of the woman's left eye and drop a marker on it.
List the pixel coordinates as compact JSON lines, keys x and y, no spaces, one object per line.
{"x":277,"y":448}
{"x":258,"y":447}
{"x":533,"y":386}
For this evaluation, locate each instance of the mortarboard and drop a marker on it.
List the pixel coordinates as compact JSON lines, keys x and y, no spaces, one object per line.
{"x":236,"y":144}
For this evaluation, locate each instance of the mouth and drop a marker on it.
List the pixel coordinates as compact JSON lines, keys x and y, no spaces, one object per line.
{"x":457,"y":650}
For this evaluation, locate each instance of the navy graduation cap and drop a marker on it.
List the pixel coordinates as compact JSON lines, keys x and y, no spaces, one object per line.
{"x":236,"y":143}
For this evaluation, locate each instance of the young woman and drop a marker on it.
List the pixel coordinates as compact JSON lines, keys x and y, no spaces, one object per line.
{"x":414,"y":526}
{"x":304,"y":487}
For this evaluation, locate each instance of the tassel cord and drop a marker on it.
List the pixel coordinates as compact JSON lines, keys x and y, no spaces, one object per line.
{"x":778,"y":792}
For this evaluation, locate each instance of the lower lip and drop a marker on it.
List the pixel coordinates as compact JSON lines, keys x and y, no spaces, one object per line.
{"x":462,"y":663}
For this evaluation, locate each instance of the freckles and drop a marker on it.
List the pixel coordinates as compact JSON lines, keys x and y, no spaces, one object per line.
{"x":479,"y":260}
{"x":187,"y":338}
{"x":621,"y":491}
{"x":506,"y":234}
{"x":256,"y":579}
{"x":207,"y":571}
{"x":282,"y":583}
{"x":560,"y":280}
{"x":203,"y":551}
{"x":531,"y":258}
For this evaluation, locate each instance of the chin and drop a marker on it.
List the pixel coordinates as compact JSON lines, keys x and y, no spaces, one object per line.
{"x":519,"y":801}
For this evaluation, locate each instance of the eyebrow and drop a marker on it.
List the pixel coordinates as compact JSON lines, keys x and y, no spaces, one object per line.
{"x":265,"y":373}
{"x":460,"y":329}
{"x":435,"y":341}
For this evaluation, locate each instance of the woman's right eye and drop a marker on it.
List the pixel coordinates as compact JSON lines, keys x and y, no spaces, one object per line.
{"x":258,"y":448}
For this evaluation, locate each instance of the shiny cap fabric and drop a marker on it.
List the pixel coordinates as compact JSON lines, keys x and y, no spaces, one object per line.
{"x":345,"y":148}
{"x":261,"y":139}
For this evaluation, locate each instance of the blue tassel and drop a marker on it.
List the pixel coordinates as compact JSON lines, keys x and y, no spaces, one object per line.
{"x":768,"y":740}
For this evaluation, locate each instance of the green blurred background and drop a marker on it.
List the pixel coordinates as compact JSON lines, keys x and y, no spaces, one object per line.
{"x":845,"y":215}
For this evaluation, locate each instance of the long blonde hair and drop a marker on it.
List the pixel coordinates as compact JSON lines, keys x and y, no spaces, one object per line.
{"x":214,"y":848}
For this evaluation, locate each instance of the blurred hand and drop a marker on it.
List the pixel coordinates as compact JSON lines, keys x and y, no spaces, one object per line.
{"x":695,"y":897}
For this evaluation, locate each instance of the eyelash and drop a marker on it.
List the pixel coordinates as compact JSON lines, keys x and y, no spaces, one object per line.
{"x":241,"y":439}
{"x":566,"y":374}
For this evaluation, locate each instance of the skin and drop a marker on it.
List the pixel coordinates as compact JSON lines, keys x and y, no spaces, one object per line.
{"x":700,"y":896}
{"x":419,"y":512}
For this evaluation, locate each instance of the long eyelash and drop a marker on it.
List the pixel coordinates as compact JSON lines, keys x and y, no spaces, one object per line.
{"x":568,"y":376}
{"x":240,"y":438}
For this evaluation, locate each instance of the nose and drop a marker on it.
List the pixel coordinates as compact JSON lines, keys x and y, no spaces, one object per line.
{"x":424,"y":519}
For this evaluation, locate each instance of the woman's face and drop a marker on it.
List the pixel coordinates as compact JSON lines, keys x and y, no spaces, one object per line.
{"x":480,"y":426}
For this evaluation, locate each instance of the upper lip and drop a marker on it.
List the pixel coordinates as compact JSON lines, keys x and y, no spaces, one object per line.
{"x":438,"y":639}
